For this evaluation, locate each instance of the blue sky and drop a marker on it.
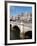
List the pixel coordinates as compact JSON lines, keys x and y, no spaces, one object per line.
{"x":14,"y":10}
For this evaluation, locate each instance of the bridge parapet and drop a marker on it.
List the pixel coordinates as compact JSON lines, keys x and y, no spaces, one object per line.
{"x":23,"y":26}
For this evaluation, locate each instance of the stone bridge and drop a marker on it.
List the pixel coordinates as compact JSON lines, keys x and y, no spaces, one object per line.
{"x":24,"y":27}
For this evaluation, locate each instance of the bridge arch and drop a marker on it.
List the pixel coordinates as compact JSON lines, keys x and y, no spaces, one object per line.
{"x":15,"y":32}
{"x":28,"y":35}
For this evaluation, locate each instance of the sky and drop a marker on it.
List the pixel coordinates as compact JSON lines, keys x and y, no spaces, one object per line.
{"x":15,"y":10}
